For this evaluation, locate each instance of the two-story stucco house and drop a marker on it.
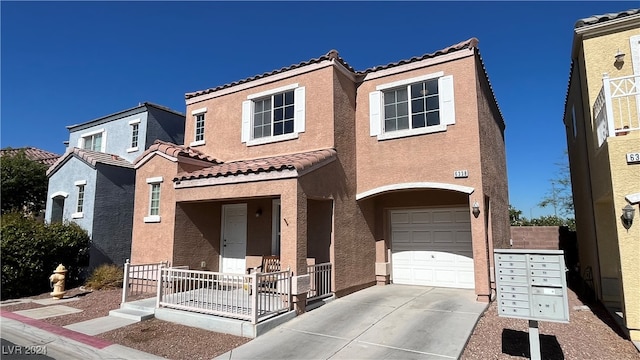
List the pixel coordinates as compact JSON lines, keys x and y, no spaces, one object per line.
{"x":396,"y":173}
{"x":602,"y":119}
{"x":92,"y":184}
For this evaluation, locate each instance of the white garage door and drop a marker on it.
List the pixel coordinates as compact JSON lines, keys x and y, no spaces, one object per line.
{"x":432,"y":247}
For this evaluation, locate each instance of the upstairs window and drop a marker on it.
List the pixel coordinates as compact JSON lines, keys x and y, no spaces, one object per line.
{"x":273,"y":115}
{"x":414,"y":106}
{"x":135,"y":131}
{"x":198,"y":124}
{"x":93,"y":141}
{"x":154,"y":199}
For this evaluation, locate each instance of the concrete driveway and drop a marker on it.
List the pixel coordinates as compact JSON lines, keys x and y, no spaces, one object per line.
{"x":380,"y":322}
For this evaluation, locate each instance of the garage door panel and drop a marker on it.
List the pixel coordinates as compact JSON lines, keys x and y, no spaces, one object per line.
{"x":421,"y":236}
{"x":402,"y":237}
{"x":400,"y":218}
{"x":432,"y":247}
{"x":420,"y":217}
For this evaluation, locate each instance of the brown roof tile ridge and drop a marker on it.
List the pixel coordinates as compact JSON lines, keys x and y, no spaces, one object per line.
{"x":295,"y":161}
{"x":331,"y":55}
{"x":175,"y":150}
{"x":467,"y":44}
{"x":493,"y":94}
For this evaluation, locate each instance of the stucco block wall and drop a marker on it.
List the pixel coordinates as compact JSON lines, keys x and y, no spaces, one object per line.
{"x":223,"y":120}
{"x":494,"y":164}
{"x":535,"y":237}
{"x":63,"y":180}
{"x":116,"y":136}
{"x":164,"y":125}
{"x":197,"y":235}
{"x":113,"y":218}
{"x":153,"y":242}
{"x":431,"y":157}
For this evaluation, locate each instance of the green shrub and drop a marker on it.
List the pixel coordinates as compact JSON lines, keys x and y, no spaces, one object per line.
{"x":31,"y":251}
{"x":106,"y":276}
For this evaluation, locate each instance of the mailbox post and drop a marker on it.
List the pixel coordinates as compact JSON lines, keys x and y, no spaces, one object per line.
{"x":531,"y":285}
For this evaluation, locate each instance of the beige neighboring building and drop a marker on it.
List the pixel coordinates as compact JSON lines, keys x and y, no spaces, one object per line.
{"x":602,"y":118}
{"x":375,"y":172}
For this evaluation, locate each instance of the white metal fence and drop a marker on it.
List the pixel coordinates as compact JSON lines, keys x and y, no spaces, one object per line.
{"x":140,"y":279}
{"x":320,"y":281}
{"x":253,"y":297}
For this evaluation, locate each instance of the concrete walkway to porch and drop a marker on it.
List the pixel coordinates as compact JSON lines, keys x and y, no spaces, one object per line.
{"x":380,"y":322}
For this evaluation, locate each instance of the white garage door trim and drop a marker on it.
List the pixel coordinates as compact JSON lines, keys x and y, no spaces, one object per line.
{"x":432,"y":247}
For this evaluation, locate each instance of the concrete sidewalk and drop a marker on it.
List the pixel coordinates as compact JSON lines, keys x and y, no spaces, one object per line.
{"x":380,"y":322}
{"x":22,"y":334}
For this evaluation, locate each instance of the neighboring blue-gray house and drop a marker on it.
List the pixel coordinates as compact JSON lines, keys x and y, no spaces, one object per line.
{"x":93,"y":183}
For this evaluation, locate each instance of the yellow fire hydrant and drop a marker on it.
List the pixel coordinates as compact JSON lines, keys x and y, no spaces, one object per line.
{"x":57,"y":280}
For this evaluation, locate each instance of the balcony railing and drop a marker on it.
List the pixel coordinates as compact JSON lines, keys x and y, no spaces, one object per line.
{"x":616,"y":110}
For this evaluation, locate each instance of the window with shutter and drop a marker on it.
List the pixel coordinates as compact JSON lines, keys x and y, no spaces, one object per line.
{"x":414,"y":106}
{"x":273,"y":115}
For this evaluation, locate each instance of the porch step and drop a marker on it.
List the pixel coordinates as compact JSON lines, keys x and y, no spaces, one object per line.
{"x":148,"y":305}
{"x":131,"y":314}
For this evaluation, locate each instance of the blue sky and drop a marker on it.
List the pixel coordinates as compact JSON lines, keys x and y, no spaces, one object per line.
{"x":64,"y":63}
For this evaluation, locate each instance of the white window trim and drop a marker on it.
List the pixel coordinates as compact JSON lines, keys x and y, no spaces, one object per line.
{"x":377,"y":128}
{"x":195,"y":113}
{"x":298,"y":120}
{"x":273,"y":91}
{"x":80,"y":182}
{"x":77,"y":215}
{"x":131,"y":123}
{"x":60,"y":193}
{"x":153,"y":218}
{"x":409,"y":81}
{"x":103,"y":145}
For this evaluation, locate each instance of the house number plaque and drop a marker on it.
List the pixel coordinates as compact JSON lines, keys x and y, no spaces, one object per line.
{"x":458,"y":174}
{"x":633,"y":158}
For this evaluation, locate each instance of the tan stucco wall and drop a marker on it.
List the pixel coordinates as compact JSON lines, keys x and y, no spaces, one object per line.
{"x":599,"y":58}
{"x":153,"y":242}
{"x":610,"y":177}
{"x":223,"y":120}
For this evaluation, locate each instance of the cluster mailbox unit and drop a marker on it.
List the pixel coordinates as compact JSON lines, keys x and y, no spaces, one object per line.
{"x":531,"y":284}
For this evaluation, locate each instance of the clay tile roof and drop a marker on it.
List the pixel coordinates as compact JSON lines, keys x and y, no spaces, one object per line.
{"x":175,"y":151}
{"x":35,"y":154}
{"x":299,"y":161}
{"x":90,"y":157}
{"x":596,"y":19}
{"x":334,"y":55}
{"x":468,"y":44}
{"x":331,"y":55}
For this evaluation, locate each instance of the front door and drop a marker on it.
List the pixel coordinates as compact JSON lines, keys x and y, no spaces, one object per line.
{"x":234,"y":238}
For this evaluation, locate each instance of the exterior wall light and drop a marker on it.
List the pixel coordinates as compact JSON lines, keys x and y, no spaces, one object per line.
{"x":476,"y":209}
{"x":619,"y":57}
{"x":628,"y":213}
{"x":259,"y":212}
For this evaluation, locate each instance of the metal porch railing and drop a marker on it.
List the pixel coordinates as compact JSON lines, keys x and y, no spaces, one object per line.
{"x":320,"y":281}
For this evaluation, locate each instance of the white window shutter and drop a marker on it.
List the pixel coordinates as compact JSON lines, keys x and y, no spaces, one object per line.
{"x":447,"y":107}
{"x":299,"y":115}
{"x":246,"y":120}
{"x":375,"y":118}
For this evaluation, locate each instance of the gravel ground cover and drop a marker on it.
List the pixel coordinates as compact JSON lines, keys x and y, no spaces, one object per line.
{"x":590,"y":334}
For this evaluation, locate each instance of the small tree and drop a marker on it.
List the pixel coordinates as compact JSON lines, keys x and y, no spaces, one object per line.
{"x":24,"y":184}
{"x":560,"y":195}
{"x":514,"y":216}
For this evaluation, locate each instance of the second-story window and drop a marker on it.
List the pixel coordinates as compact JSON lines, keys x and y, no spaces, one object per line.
{"x":273,"y":115}
{"x":80,"y":198}
{"x":135,"y":134}
{"x":92,"y":142}
{"x":413,"y":106}
{"x":198,"y":124}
